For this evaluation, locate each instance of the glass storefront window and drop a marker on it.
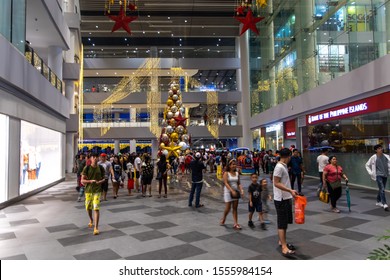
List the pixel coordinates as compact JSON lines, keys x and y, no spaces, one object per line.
{"x":40,"y":156}
{"x":274,"y":137}
{"x":352,"y":140}
{"x":3,"y":158}
{"x":313,"y":43}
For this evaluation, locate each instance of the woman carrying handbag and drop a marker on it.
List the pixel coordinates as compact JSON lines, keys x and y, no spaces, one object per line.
{"x":331,"y":178}
{"x":232,"y":192}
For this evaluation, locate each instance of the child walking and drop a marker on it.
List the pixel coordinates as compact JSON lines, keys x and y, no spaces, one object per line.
{"x":265,"y":197}
{"x":255,"y":202}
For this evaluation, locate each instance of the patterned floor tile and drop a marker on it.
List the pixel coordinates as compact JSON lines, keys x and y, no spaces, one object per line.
{"x":348,"y":234}
{"x":61,"y":228}
{"x":129,"y":208}
{"x":173,"y":253}
{"x":124,"y":224}
{"x":7,"y":235}
{"x":80,"y":239}
{"x":378,"y":212}
{"x":149,"y":235}
{"x":17,"y":257}
{"x":192,"y":236}
{"x":15,"y":209}
{"x":161,"y":225}
{"x":345,"y":222}
{"x":106,"y":254}
{"x":23,"y":222}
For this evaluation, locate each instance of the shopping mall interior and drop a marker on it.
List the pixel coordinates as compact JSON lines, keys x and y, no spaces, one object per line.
{"x":121,"y":76}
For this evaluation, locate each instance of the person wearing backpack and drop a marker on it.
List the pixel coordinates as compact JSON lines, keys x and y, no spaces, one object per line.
{"x":147,"y":175}
{"x":92,"y":178}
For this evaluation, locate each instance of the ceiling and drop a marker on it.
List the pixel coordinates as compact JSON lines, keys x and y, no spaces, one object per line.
{"x":179,"y":28}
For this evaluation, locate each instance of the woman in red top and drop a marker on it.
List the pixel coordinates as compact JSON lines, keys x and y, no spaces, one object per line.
{"x":332,"y":179}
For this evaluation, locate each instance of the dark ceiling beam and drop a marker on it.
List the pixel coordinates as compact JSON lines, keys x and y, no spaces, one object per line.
{"x":140,"y":13}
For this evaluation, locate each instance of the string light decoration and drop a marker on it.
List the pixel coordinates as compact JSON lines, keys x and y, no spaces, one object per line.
{"x":125,"y":87}
{"x":154,"y":98}
{"x":212,"y":113}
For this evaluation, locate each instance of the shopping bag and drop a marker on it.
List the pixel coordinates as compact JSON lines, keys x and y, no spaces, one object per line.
{"x":300,"y":204}
{"x":324,"y":196}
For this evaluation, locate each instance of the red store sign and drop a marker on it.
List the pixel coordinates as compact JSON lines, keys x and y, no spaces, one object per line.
{"x":364,"y":106}
{"x":289,"y":130}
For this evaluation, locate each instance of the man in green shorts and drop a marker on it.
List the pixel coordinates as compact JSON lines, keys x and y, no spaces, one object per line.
{"x":92,"y":178}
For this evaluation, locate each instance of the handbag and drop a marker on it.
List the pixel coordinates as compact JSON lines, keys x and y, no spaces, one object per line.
{"x":324,"y":196}
{"x":336,"y":184}
{"x":237,"y":194}
{"x":159,"y":175}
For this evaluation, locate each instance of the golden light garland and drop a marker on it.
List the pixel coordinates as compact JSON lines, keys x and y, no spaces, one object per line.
{"x":127,"y":86}
{"x":154,"y":97}
{"x":212,"y":113}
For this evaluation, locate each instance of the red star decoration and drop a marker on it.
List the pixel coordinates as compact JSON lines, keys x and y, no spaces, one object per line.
{"x":249,"y":22}
{"x":180,"y":120}
{"x":122,"y":21}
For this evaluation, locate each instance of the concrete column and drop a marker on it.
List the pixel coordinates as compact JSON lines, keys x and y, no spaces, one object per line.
{"x":69,"y":94}
{"x":133,"y":115}
{"x":69,"y":152}
{"x":154,"y":149}
{"x":133,"y":146}
{"x":54,"y":60}
{"x":243,"y":85}
{"x":116,"y":146}
{"x":69,"y":55}
{"x":305,"y":46}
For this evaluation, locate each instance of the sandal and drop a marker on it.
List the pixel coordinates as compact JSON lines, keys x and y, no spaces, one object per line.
{"x":335,"y":210}
{"x":90,"y":225}
{"x":289,"y":253}
{"x":96,"y":232}
{"x":289,"y":246}
{"x":200,"y":205}
{"x":237,"y":226}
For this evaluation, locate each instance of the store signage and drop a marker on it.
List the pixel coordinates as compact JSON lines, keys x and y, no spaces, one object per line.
{"x":360,"y":107}
{"x":289,"y":129}
{"x":274,"y":127}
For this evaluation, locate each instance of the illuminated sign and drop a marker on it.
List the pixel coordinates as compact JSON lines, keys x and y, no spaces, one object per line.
{"x":274,"y":127}
{"x":289,"y":129}
{"x":360,"y":107}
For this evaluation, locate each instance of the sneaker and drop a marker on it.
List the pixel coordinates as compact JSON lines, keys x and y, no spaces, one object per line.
{"x":250,"y":224}
{"x":379,"y":204}
{"x":79,"y":200}
{"x":386,"y":207}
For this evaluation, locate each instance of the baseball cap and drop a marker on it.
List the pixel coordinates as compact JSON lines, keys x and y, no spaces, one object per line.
{"x":103,"y":154}
{"x":197,"y":155}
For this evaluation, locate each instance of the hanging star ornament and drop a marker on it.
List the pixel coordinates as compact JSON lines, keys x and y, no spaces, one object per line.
{"x":122,"y":21}
{"x":172,"y":150}
{"x":249,"y":22}
{"x":261,"y":3}
{"x":180,"y":120}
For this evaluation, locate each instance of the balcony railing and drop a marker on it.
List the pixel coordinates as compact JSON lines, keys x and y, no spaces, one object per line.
{"x":33,"y":58}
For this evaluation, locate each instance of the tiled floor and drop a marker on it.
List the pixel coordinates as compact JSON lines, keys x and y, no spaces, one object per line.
{"x":52,"y":225}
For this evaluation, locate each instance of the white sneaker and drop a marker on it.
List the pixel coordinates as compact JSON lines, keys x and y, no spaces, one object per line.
{"x":379,"y":204}
{"x":385,"y":206}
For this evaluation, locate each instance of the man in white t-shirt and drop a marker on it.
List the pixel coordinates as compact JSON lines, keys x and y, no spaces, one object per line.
{"x":138,"y":169}
{"x":322,"y":161}
{"x":283,"y":195}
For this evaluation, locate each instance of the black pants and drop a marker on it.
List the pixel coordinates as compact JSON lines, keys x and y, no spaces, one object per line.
{"x":334,"y":194}
{"x":320,"y":174}
{"x":299,"y":180}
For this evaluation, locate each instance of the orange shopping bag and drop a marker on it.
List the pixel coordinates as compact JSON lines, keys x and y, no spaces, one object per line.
{"x":300,"y":204}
